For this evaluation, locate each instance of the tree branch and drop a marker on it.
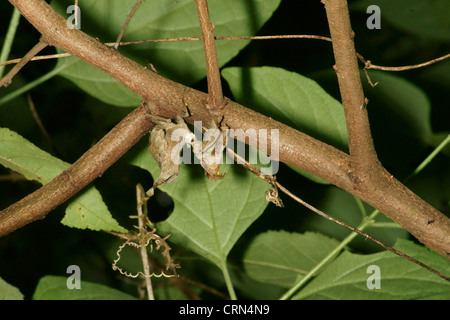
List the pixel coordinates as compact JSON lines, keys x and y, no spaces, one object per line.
{"x":90,"y":166}
{"x":167,"y":98}
{"x":6,"y":80}
{"x":362,"y":152}
{"x":215,"y":96}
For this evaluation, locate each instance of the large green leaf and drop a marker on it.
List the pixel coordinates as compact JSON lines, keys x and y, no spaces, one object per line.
{"x":85,"y":211}
{"x":55,"y":288}
{"x":280,"y":257}
{"x":9,"y":292}
{"x":209,"y":216}
{"x":424,"y":18}
{"x":347,"y":276}
{"x":438,"y":74}
{"x":292,"y":99}
{"x":182,"y":61}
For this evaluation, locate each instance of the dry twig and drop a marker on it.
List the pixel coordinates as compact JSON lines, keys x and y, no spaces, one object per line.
{"x":122,"y":31}
{"x":39,"y":122}
{"x":142,"y":215}
{"x":368,"y":64}
{"x":6,"y":80}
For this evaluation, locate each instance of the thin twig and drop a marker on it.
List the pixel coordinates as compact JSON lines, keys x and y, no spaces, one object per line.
{"x":368,"y":64}
{"x":122,"y":31}
{"x":6,"y":80}
{"x":77,"y":14}
{"x":215,"y":95}
{"x":9,"y":38}
{"x":367,"y":236}
{"x":36,"y":58}
{"x":140,"y":193}
{"x":272,"y":180}
{"x":274,"y":37}
{"x":39,"y":122}
{"x":369,"y":80}
{"x":127,"y":43}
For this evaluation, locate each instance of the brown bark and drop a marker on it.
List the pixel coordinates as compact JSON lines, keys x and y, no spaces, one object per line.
{"x":215,"y":96}
{"x":362,"y":152}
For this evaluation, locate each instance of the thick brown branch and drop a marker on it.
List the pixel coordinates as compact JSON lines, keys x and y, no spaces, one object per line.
{"x":362,"y":151}
{"x":169,"y":98}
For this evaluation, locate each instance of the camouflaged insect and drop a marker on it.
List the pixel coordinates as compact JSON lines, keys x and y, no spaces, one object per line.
{"x":166,"y":151}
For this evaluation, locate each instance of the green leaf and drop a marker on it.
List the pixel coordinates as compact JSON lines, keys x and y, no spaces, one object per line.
{"x":88,"y":211}
{"x":85,"y":211}
{"x":400,"y":117}
{"x":55,"y":288}
{"x":281,"y":258}
{"x":400,"y":279}
{"x":22,"y":156}
{"x":9,"y":292}
{"x":209,"y":216}
{"x":438,"y":74}
{"x":404,"y":100}
{"x":292,"y":99}
{"x":424,"y":18}
{"x":182,"y":61}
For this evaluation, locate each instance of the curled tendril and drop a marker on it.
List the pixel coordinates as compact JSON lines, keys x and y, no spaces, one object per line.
{"x":160,"y":242}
